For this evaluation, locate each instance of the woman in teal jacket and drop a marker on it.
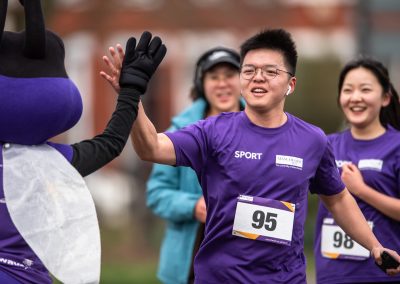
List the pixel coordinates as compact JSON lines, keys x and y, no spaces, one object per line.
{"x":174,"y":193}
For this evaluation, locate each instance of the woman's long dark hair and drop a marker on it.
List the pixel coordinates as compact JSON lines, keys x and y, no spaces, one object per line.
{"x":389,"y":114}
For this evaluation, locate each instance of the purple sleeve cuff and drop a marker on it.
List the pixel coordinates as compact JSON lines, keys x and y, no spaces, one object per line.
{"x":64,"y":149}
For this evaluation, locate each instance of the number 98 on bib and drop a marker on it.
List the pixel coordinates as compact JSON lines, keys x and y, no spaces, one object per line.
{"x":336,"y":244}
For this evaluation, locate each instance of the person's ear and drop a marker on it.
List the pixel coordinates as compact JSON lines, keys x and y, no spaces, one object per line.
{"x":386,"y":99}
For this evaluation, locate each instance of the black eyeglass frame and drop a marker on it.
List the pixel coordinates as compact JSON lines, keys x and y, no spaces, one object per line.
{"x":263,"y":71}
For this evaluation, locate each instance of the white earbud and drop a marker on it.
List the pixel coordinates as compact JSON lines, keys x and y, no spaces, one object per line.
{"x":288,"y":91}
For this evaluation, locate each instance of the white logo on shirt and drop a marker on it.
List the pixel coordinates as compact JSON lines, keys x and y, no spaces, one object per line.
{"x":370,"y":164}
{"x":340,"y":163}
{"x":2,"y":200}
{"x":247,"y":155}
{"x":28,"y":262}
{"x":10,"y":262}
{"x":246,"y":197}
{"x":289,"y":162}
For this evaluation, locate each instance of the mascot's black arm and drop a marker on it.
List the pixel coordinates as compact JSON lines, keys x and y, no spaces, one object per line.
{"x":90,"y":155}
{"x":139,"y":64}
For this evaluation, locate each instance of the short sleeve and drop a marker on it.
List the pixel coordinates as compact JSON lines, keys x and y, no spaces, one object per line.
{"x":327,"y":179}
{"x":192,"y":145}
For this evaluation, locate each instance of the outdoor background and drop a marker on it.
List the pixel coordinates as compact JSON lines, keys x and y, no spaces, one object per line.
{"x":327,"y":33}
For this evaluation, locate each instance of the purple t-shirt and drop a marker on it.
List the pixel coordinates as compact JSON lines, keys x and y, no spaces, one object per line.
{"x":16,"y":257}
{"x":379,"y":163}
{"x":232,"y":157}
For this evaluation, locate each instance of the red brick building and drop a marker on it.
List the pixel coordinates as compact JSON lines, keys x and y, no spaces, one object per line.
{"x":188,"y":28}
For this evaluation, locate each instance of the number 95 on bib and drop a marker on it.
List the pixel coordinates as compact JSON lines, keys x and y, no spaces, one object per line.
{"x":264,"y":219}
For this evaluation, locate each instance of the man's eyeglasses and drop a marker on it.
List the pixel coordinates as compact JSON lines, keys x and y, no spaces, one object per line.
{"x":267,"y":71}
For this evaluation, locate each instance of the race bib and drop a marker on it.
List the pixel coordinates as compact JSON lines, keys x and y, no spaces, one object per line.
{"x":336,"y":244}
{"x":264,"y":219}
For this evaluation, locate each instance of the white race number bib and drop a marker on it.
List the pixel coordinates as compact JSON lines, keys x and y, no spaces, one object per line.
{"x":336,"y":244}
{"x":264,"y":219}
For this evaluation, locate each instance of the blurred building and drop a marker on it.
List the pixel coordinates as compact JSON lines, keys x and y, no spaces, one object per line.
{"x":188,"y":28}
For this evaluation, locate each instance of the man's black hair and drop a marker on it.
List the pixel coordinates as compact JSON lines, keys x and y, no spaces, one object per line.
{"x":275,"y":39}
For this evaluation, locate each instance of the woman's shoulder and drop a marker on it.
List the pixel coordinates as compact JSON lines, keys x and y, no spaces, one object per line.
{"x":190,"y":115}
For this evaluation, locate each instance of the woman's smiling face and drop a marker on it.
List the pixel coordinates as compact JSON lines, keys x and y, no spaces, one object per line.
{"x":362,"y":97}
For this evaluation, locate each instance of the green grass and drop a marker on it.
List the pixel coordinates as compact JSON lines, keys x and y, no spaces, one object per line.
{"x":133,"y":273}
{"x":119,"y":273}
{"x":310,"y":267}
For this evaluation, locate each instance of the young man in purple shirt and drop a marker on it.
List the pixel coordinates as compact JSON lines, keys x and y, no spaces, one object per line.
{"x":255,"y":168}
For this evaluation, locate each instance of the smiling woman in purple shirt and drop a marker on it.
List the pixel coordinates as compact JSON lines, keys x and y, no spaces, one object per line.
{"x":368,"y":157}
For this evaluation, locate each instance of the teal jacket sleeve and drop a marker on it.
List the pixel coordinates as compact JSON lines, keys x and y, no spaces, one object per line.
{"x":167,"y":198}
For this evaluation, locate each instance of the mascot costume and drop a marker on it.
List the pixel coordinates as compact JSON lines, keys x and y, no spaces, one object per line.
{"x":48,"y":219}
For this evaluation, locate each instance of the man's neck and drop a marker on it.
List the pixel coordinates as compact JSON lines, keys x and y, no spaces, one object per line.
{"x":268,"y":119}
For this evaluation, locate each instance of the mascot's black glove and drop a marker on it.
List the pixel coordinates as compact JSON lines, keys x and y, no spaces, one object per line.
{"x":140,"y":63}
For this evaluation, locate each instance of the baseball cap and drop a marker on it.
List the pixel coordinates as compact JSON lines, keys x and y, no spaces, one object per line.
{"x":221,"y":56}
